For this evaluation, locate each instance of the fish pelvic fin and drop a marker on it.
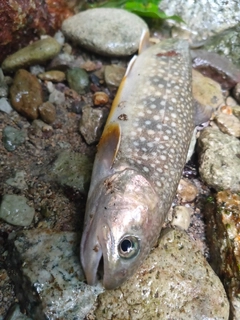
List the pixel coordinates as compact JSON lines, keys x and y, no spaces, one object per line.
{"x":144,"y":41}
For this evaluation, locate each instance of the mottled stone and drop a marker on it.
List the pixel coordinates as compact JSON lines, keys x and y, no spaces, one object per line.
{"x":35,"y":53}
{"x":219,"y":162}
{"x":26,"y":94}
{"x":113,"y":75}
{"x":107,"y":31}
{"x":92,"y":123}
{"x":100,"y":98}
{"x":47,"y":112}
{"x":181,"y":217}
{"x":48,"y":276}
{"x":15,"y":210}
{"x":12,"y":138}
{"x":187,"y":191}
{"x":228,"y":123}
{"x":78,"y":80}
{"x":222,"y":214}
{"x":175,"y":282}
{"x":53,"y":75}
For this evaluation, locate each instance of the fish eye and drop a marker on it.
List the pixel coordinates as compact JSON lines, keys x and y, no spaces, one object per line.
{"x":128,"y":247}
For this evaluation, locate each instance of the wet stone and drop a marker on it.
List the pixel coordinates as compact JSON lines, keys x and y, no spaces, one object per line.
{"x":92,"y":123}
{"x":53,"y":75}
{"x":228,"y":123}
{"x":12,"y":138}
{"x":113,"y":75}
{"x":187,"y":191}
{"x":47,"y":112}
{"x":181,"y":217}
{"x":219,"y":162}
{"x":5,"y":106}
{"x":100,"y":98}
{"x":107,"y":31}
{"x":15,"y":210}
{"x":36,"y":53}
{"x":48,"y":276}
{"x":26,"y":94}
{"x":180,"y":286}
{"x":78,"y":80}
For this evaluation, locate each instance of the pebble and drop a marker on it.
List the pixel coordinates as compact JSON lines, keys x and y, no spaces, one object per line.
{"x":100,"y":98}
{"x":18,"y":181}
{"x":47,"y":112}
{"x":53,"y":75}
{"x":175,"y":282}
{"x":56,"y":290}
{"x":26,"y":94}
{"x":59,"y":36}
{"x":35,"y":53}
{"x":187,"y":191}
{"x":106,"y":31}
{"x":236,"y":111}
{"x":219,"y":162}
{"x":92,"y":123}
{"x":181,"y":217}
{"x":236,"y":92}
{"x":5,"y":106}
{"x":36,"y":69}
{"x":113,"y":75}
{"x":56,"y":97}
{"x":231,"y":102}
{"x":228,"y":123}
{"x":12,"y":138}
{"x":78,"y":80}
{"x":15,"y":210}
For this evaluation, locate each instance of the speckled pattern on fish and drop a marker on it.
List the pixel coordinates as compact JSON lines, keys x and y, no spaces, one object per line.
{"x":139,"y":162}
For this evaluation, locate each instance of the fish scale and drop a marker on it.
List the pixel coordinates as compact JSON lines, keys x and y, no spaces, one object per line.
{"x":139,"y":162}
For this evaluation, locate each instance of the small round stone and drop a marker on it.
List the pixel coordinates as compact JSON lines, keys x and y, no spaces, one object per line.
{"x":100,"y":98}
{"x":47,"y":112}
{"x":78,"y":80}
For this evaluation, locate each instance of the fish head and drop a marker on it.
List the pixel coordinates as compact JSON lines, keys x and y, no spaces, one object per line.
{"x":121,"y":227}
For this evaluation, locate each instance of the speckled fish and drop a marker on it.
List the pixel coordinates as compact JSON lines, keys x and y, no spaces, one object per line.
{"x":139,"y":162}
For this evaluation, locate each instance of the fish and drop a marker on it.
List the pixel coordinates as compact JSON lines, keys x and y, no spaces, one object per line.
{"x":139,"y":162}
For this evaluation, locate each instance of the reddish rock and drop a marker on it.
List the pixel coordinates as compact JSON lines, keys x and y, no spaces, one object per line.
{"x":26,"y":94}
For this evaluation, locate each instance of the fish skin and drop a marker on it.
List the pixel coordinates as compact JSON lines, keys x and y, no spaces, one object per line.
{"x":139,"y":162}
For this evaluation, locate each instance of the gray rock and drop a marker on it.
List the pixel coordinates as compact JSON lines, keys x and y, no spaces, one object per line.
{"x":18,"y":180}
{"x":12,"y":138}
{"x":204,"y":18}
{"x":15,"y":210}
{"x":48,"y":277}
{"x":72,"y":169}
{"x":36,"y":53}
{"x":91,"y":123}
{"x":113,"y":75}
{"x":5,"y":106}
{"x":78,"y":80}
{"x":107,"y":31}
{"x":175,"y":282}
{"x":219,"y":162}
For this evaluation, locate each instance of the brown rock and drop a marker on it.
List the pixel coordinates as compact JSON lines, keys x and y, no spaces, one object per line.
{"x":47,"y":112}
{"x":187,"y":191}
{"x":100,"y":98}
{"x":26,"y":94}
{"x":53,"y":75}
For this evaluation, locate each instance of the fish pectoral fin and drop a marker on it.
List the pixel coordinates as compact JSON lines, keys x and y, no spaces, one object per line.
{"x":109,"y":145}
{"x":144,"y":41}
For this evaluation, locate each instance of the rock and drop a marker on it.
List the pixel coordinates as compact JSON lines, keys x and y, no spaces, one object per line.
{"x":18,"y":181}
{"x":53,"y":75}
{"x":219,"y":162}
{"x":107,"y":31}
{"x":37,"y":69}
{"x":236,"y":111}
{"x":15,"y":210}
{"x":78,"y":80}
{"x":92,"y":123}
{"x":12,"y":138}
{"x":181,"y":217}
{"x":222,"y":215}
{"x":187,"y":191}
{"x":7,"y":295}
{"x":59,"y":36}
{"x":72,"y":169}
{"x":216,"y":67}
{"x":35,"y":53}
{"x":228,"y":123}
{"x":211,"y":18}
{"x":26,"y":94}
{"x":236,"y":92}
{"x":48,"y":276}
{"x":47,"y":112}
{"x":231,"y":102}
{"x":113,"y":75}
{"x":100,"y":98}
{"x":206,"y":92}
{"x":175,"y":282}
{"x":5,"y":106}
{"x":14,"y":313}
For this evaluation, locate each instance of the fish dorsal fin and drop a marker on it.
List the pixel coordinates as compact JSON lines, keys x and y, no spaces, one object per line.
{"x":144,"y":41}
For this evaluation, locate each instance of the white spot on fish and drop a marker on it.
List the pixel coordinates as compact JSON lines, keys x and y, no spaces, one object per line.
{"x":150,"y":132}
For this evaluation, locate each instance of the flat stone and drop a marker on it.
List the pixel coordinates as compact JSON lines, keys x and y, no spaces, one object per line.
{"x":35,"y":53}
{"x":228,"y":123}
{"x":48,"y":276}
{"x":175,"y":282}
{"x":219,"y":162}
{"x":53,"y":75}
{"x":106,"y":31}
{"x":18,"y":181}
{"x":181,"y":217}
{"x":12,"y":138}
{"x":5,"y":106}
{"x":113,"y":75}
